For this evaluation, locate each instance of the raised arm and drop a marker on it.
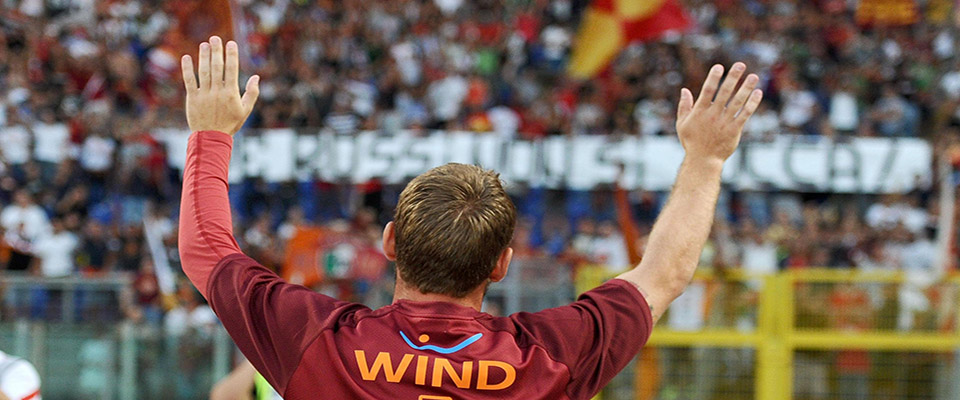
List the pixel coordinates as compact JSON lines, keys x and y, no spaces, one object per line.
{"x":709,"y":131}
{"x":271,"y":321}
{"x":215,"y":111}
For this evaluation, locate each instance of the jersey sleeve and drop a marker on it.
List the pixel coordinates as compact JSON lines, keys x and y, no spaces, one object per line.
{"x":270,"y":320}
{"x":206,"y":226}
{"x":595,"y":337}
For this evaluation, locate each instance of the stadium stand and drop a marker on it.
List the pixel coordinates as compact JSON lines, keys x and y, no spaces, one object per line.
{"x":88,"y":184}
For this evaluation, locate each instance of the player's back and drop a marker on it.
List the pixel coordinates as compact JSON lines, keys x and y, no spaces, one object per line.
{"x":311,"y":346}
{"x":434,"y":350}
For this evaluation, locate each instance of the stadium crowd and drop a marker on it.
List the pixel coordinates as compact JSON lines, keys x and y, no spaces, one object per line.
{"x":481,"y":66}
{"x":83,"y":84}
{"x":85,"y":183}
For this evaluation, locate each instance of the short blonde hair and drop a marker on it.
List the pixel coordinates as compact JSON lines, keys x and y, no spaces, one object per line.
{"x":451,"y":224}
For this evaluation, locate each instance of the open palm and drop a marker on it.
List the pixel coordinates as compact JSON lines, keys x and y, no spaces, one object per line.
{"x":711,"y":127}
{"x":215,"y":103}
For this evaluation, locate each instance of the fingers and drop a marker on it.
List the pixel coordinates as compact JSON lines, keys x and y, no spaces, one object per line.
{"x":729,"y":84}
{"x":743,"y":94}
{"x":249,"y":98}
{"x":232,"y":71}
{"x":203,"y":70}
{"x":752,"y":103}
{"x":216,"y":61}
{"x":686,"y":103}
{"x":710,"y":86}
{"x":250,"y":94}
{"x":189,"y":78}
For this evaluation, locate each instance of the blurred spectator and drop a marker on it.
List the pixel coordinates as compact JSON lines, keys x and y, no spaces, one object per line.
{"x":24,"y":222}
{"x":189,"y":327}
{"x":55,"y":251}
{"x":654,"y":114}
{"x":96,"y":154}
{"x":895,"y":116}
{"x":874,"y":257}
{"x":145,"y":304}
{"x":764,"y":124}
{"x":851,"y":314}
{"x":798,"y":108}
{"x":191,"y":315}
{"x":97,"y":251}
{"x":15,"y":144}
{"x":844,"y":110}
{"x":893,"y":210}
{"x":609,"y":248}
{"x":584,"y":240}
{"x":758,"y":253}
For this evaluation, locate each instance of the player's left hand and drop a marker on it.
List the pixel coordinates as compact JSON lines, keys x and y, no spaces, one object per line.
{"x":215,"y":104}
{"x":710,"y":128}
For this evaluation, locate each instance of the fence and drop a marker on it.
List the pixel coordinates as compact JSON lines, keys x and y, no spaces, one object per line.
{"x":807,"y":334}
{"x":74,"y":332}
{"x":119,"y":361}
{"x":69,"y":299}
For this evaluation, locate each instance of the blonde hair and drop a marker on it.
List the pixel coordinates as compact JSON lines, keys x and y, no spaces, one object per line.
{"x":451,"y":225}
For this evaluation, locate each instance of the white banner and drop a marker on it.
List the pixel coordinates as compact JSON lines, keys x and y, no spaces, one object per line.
{"x":859,"y":165}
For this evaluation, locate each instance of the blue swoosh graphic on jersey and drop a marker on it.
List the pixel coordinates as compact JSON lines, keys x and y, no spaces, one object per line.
{"x":443,"y":350}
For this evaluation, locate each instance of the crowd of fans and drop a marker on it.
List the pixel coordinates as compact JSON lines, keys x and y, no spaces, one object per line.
{"x":83,"y":85}
{"x":110,"y":67}
{"x":86,"y":189}
{"x":897,"y":232}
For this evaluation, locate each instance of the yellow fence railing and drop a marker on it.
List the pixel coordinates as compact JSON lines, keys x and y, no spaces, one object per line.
{"x":805,"y":334}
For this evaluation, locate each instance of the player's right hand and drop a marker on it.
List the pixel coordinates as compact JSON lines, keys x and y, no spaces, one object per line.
{"x":710,"y":129}
{"x":215,"y":103}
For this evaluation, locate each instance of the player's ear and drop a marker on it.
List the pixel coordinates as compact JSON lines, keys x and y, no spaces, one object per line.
{"x":503,"y":264}
{"x":389,"y":242}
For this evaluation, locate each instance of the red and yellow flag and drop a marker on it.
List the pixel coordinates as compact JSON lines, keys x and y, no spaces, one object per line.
{"x":610,"y":25}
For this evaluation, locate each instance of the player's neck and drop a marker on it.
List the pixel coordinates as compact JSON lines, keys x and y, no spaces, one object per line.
{"x":403,"y":292}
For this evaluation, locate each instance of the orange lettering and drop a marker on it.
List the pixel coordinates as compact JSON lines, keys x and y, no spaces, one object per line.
{"x":422,"y":370}
{"x":384,"y":362}
{"x":442,"y":364}
{"x":483,"y":374}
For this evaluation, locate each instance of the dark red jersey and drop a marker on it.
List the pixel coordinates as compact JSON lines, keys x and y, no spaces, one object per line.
{"x":311,"y":346}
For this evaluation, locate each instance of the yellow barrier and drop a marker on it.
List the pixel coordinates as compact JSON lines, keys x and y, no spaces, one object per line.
{"x":777,"y":336}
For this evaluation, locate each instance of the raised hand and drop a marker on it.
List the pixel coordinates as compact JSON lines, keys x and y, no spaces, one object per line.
{"x":710,"y":129}
{"x":215,"y":103}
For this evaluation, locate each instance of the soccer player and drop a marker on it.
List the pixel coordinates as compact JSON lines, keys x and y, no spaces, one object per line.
{"x":18,"y":379}
{"x":449,"y":239}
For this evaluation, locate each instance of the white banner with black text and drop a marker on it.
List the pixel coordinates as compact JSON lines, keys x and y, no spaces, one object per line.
{"x":795,"y":163}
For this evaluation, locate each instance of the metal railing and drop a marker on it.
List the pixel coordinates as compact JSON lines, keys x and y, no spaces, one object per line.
{"x":531,"y":285}
{"x":84,"y":349}
{"x":804,"y":334}
{"x":120,"y":361}
{"x":65,"y":299}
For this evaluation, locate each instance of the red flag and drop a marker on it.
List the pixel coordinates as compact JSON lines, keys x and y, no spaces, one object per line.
{"x":610,"y":25}
{"x":196,"y":21}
